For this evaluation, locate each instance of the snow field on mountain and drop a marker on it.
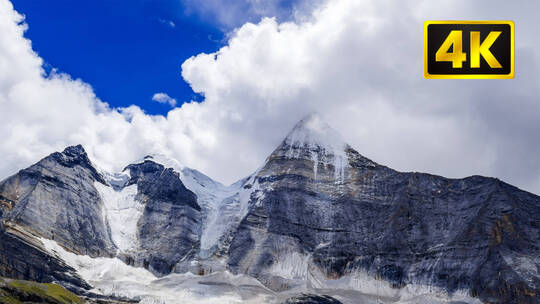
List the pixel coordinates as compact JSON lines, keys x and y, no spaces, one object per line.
{"x":112,"y":277}
{"x":101,"y":269}
{"x":121,"y":212}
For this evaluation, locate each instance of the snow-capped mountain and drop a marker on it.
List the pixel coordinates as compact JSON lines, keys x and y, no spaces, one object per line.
{"x":317,"y":217}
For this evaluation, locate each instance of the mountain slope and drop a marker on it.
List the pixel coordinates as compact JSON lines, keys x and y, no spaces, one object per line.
{"x":326,"y":212}
{"x":56,"y":199}
{"x":212,"y":197}
{"x":316,"y":218}
{"x":144,"y":215}
{"x":169,"y":228}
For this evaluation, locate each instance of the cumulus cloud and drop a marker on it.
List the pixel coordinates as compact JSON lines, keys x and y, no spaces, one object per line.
{"x":360,"y":63}
{"x":357,"y":62}
{"x":164,"y":98}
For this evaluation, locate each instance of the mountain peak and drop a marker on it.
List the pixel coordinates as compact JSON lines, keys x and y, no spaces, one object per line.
{"x":76,"y":150}
{"x":313,"y":132}
{"x":313,"y":139}
{"x":76,"y":156}
{"x":73,"y":155}
{"x":162,"y":159}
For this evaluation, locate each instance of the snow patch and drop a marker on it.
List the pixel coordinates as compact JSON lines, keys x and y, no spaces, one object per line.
{"x":121,"y":212}
{"x":228,"y":212}
{"x":111,"y":277}
{"x":211,"y":195}
{"x":291,"y":265}
{"x":527,"y":267}
{"x":116,"y":180}
{"x":423,"y":294}
{"x":99,"y":270}
{"x":360,"y":281}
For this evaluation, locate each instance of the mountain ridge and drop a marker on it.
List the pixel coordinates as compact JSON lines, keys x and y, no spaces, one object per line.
{"x":316,"y":215}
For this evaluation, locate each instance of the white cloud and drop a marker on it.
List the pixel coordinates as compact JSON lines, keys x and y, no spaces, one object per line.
{"x":358,"y":62}
{"x":164,"y":98}
{"x":169,"y":23}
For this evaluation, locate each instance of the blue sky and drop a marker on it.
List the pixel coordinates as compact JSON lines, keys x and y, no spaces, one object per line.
{"x":130,"y":50}
{"x":126,"y":50}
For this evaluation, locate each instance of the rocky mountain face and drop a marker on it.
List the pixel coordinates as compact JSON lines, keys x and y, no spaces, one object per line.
{"x":326,"y":208}
{"x":56,"y":199}
{"x":169,"y":229}
{"x":23,"y":257}
{"x":316,"y":216}
{"x":64,"y":198}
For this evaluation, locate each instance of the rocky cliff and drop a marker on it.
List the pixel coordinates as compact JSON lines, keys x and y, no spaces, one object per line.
{"x":317,"y":217}
{"x":169,"y":229}
{"x":146,"y":216}
{"x":56,"y":199}
{"x":325,"y":211}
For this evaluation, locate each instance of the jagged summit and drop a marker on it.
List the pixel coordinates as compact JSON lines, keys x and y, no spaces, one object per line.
{"x":73,"y":156}
{"x":74,"y":150}
{"x":73,"y":153}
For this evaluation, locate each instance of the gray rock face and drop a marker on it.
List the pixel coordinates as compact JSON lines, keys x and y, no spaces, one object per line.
{"x":316,"y":213}
{"x":56,"y":199}
{"x":24,"y":258}
{"x":170,"y":228}
{"x":341,"y":213}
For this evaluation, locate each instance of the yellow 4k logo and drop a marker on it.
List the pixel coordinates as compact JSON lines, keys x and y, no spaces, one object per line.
{"x":469,"y":49}
{"x":455,"y":39}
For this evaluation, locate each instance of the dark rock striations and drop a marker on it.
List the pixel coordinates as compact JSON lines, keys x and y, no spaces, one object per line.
{"x":170,"y":227}
{"x":316,"y":216}
{"x":56,"y":199}
{"x":341,"y":213}
{"x":23,"y":257}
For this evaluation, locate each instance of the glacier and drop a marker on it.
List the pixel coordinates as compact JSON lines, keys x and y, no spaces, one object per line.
{"x":112,"y":277}
{"x":122,"y":212}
